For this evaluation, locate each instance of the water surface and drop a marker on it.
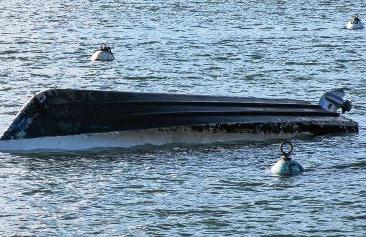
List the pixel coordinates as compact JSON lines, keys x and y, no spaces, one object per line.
{"x":274,"y":49}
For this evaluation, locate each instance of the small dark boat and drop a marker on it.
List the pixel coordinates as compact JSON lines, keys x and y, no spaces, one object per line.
{"x":67,"y":119}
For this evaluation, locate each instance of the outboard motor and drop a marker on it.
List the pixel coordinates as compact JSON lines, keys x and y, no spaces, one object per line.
{"x":333,"y":100}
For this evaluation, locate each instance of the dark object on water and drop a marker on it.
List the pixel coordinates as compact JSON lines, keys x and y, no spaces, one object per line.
{"x":286,"y":154}
{"x":105,"y":48}
{"x":61,"y":112}
{"x":355,"y":19}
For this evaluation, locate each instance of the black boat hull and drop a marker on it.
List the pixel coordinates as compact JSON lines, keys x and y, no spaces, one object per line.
{"x":65,"y":112}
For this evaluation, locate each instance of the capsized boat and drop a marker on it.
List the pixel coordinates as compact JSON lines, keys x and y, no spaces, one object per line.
{"x":68,"y":119}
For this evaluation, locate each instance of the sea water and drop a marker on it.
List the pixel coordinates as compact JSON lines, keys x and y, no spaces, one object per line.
{"x":272,"y":49}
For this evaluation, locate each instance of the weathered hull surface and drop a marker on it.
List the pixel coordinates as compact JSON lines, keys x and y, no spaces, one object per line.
{"x":63,"y":112}
{"x":134,"y":138}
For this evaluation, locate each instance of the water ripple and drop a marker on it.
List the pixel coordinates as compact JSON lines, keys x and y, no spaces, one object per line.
{"x":296,"y":49}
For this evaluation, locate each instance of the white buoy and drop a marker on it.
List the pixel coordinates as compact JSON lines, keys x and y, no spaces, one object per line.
{"x":103,"y":54}
{"x":286,"y":166}
{"x":355,"y":23}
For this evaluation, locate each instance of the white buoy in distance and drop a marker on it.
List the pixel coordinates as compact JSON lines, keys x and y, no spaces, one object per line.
{"x":103,"y":54}
{"x":355,"y":23}
{"x":286,"y":166}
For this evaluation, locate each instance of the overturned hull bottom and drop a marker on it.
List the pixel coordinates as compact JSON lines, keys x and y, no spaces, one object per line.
{"x":127,"y":139}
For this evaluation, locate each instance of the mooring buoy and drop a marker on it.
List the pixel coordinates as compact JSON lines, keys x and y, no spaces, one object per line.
{"x":103,"y":54}
{"x":285,"y":165}
{"x":355,"y":23}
